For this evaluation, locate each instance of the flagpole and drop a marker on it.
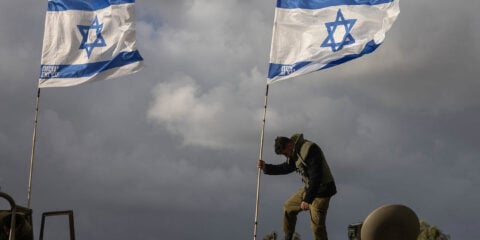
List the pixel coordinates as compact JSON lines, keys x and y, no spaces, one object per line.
{"x":32,"y":155}
{"x":260,"y":157}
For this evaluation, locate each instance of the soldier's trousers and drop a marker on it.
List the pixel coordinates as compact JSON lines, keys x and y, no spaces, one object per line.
{"x":318,"y":214}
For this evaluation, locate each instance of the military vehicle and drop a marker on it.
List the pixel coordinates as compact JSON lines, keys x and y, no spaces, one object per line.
{"x":388,"y":222}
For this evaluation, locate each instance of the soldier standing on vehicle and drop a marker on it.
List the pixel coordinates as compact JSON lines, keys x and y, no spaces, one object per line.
{"x":307,"y":159}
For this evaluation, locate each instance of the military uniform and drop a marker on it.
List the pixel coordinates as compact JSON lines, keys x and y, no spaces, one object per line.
{"x":308,"y":160}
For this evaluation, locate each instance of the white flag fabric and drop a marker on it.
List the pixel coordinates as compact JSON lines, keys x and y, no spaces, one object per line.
{"x":88,"y":40}
{"x":310,"y":35}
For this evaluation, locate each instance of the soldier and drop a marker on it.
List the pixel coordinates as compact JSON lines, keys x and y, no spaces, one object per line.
{"x":308,"y":160}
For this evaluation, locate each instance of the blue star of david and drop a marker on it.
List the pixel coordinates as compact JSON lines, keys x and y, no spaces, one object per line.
{"x":96,"y":38}
{"x":347,"y":39}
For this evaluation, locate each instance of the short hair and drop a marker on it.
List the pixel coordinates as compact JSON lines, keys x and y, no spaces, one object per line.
{"x":280,"y":144}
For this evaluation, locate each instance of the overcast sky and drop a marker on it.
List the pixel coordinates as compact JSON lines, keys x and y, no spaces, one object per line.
{"x":170,"y":152}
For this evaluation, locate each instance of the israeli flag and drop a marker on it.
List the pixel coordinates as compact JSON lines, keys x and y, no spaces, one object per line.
{"x":88,"y":40}
{"x":310,"y":35}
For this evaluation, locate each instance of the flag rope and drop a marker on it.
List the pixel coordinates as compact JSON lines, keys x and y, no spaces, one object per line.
{"x":260,"y":157}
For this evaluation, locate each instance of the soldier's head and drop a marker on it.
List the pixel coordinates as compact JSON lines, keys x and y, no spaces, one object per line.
{"x":284,"y":146}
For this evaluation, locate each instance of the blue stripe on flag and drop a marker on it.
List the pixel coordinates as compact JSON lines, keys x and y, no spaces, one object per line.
{"x":369,"y":48}
{"x":83,"y":5}
{"x":317,"y":4}
{"x":277,"y":70}
{"x":88,"y":69}
{"x":280,"y":70}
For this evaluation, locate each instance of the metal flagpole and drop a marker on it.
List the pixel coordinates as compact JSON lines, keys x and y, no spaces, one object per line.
{"x":260,"y":156}
{"x":32,"y":156}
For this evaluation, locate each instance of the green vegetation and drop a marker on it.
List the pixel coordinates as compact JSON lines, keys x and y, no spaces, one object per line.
{"x":430,"y":232}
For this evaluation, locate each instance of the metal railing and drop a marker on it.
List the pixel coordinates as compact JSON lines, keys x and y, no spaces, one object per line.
{"x":21,"y":216}
{"x":13,"y":210}
{"x":69,"y":213}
